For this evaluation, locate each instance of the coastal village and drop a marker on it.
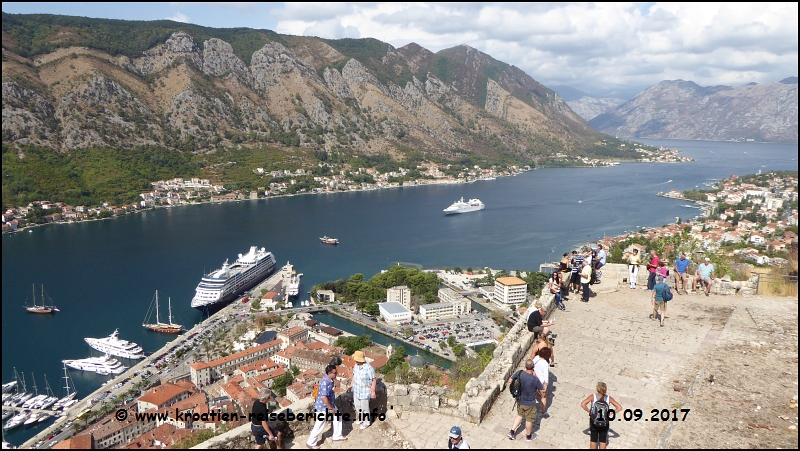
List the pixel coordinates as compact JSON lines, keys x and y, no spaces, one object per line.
{"x":746,"y":217}
{"x":179,"y":191}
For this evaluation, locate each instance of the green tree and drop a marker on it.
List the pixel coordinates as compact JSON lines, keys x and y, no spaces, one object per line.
{"x":459,"y":349}
{"x":281,"y":382}
{"x":353,"y":344}
{"x":295,"y":370}
{"x":451,"y":341}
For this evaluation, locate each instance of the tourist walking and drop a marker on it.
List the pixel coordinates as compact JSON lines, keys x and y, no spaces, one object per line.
{"x":598,"y":415}
{"x":541,"y":368}
{"x":364,"y":385}
{"x":586,"y":277}
{"x":325,"y":404}
{"x":658,"y":300}
{"x":456,"y":440}
{"x":554,"y":285}
{"x":681,"y":273}
{"x":259,"y":427}
{"x":531,"y":387}
{"x":705,"y":274}
{"x":652,"y":267}
{"x":633,"y":267}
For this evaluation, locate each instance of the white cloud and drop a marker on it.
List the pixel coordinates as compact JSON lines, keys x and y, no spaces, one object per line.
{"x":179,"y":17}
{"x":594,"y":47}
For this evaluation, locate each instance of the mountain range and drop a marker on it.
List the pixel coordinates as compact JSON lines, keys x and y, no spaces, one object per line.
{"x":679,"y":109}
{"x":72,"y":82}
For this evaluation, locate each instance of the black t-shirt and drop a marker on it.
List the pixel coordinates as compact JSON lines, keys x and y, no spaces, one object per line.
{"x":535,"y":319}
{"x":259,"y":412}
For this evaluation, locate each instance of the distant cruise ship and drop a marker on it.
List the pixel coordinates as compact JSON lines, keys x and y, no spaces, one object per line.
{"x":114,"y":346}
{"x":460,"y":206}
{"x":100,"y":365}
{"x":227,"y":282}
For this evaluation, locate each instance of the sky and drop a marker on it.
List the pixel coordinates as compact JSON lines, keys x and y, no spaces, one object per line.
{"x":602,"y":49}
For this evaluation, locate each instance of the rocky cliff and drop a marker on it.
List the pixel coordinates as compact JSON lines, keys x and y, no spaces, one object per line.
{"x":68,"y":88}
{"x":683,"y":110}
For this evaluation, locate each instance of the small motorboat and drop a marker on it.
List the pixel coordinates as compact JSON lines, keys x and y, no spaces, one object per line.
{"x":327,"y":240}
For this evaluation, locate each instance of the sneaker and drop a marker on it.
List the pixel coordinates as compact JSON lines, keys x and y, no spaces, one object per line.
{"x":512,"y":435}
{"x":528,"y":438}
{"x":545,"y":415}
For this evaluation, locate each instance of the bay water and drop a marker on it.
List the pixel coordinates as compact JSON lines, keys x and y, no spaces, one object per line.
{"x":103,"y":274}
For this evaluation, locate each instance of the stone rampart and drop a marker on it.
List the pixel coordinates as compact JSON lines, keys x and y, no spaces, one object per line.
{"x":722,"y":286}
{"x":480,"y":392}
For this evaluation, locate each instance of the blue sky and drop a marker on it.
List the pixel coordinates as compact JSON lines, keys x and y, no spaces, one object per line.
{"x":601,"y":48}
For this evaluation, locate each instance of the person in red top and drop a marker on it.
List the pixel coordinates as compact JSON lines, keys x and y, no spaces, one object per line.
{"x":652,"y":266}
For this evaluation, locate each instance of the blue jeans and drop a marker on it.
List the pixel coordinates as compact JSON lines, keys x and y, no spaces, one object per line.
{"x":585,"y":292}
{"x":651,"y":280}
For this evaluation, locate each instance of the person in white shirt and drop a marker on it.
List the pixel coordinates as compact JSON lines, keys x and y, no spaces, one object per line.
{"x":456,"y":440}
{"x":541,"y":368}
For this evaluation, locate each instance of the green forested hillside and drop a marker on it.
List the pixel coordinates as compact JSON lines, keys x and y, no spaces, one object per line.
{"x":88,"y":176}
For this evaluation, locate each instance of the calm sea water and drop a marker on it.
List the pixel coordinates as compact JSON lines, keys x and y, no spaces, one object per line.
{"x":103,"y":274}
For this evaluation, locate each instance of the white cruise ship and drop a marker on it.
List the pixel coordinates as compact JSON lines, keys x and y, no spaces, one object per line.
{"x":229,"y":281}
{"x":460,"y":206}
{"x":100,"y":365}
{"x":114,"y":346}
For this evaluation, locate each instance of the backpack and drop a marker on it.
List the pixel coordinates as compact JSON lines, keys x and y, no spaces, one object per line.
{"x":598,"y":415}
{"x":515,"y":388}
{"x":667,"y":294}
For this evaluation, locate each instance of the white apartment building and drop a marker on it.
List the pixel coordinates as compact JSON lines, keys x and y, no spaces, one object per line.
{"x":394,"y":312}
{"x":400,"y":294}
{"x":509,"y":291}
{"x":444,"y":310}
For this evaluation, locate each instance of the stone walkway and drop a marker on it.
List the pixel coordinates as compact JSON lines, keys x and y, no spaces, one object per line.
{"x":610,"y":339}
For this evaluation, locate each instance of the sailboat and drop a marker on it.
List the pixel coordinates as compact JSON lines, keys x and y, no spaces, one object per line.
{"x":158,"y":326}
{"x":41,"y":308}
{"x":68,"y":385}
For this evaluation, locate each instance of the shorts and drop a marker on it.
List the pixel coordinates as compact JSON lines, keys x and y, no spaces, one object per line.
{"x":576,"y":278}
{"x":598,"y":435}
{"x":660,"y":306}
{"x":259,"y":433}
{"x":529,"y":413}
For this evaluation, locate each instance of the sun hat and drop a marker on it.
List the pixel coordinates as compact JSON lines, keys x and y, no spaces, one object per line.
{"x":358,"y":356}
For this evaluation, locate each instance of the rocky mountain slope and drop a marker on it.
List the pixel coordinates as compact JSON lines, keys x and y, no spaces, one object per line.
{"x":76,"y":83}
{"x":585,"y":105}
{"x":683,"y":110}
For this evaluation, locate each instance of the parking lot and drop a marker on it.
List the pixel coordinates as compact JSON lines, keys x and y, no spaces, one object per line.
{"x":466,"y":329}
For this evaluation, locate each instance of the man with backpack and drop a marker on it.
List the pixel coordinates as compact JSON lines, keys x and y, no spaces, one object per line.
{"x":598,"y":415}
{"x":659,"y":299}
{"x":525,"y":387}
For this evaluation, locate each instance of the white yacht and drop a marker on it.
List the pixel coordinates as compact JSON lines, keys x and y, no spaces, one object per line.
{"x":9,"y":386}
{"x":460,"y":206}
{"x":103,"y":364}
{"x":16,"y":420}
{"x":114,"y":346}
{"x":294,"y":284}
{"x":227,"y":282}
